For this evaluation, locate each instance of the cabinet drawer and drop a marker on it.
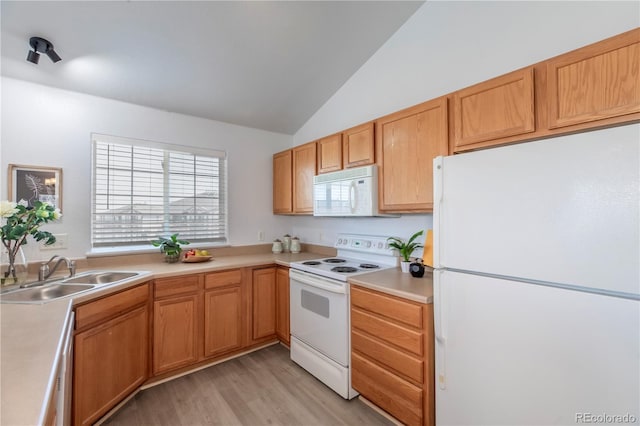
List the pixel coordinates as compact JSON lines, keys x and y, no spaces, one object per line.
{"x":388,"y":391}
{"x":396,"y":309}
{"x":100,"y":310}
{"x":411,"y":367}
{"x":165,"y":287}
{"x":399,"y":336}
{"x":221,"y":279}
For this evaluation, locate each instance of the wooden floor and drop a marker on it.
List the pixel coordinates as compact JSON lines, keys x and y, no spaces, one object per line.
{"x":261,"y":388}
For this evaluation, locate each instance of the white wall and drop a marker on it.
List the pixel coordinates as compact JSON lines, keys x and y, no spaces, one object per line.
{"x":446,"y":46}
{"x":51,"y":127}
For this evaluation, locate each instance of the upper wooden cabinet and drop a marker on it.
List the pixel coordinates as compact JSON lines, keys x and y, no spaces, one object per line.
{"x":494,"y":109}
{"x":282,"y":182}
{"x":358,"y":146}
{"x":330,"y":153}
{"x":596,"y":82}
{"x":304,"y":169}
{"x":406,"y":144}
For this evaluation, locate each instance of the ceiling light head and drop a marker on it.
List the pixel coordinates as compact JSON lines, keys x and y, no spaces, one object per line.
{"x":40,"y":45}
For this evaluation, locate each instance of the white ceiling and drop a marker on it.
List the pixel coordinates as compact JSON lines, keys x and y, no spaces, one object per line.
{"x":263,"y":64}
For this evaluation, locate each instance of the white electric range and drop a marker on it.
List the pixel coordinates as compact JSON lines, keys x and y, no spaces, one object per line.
{"x":319,"y":306}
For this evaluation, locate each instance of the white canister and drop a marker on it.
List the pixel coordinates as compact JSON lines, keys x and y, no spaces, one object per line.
{"x":277,"y":246}
{"x":295,"y":245}
{"x":286,"y":243}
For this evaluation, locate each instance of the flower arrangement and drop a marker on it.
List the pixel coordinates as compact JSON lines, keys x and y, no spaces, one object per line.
{"x":20,"y":222}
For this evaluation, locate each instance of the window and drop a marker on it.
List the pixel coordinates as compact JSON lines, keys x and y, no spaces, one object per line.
{"x":142,"y":190}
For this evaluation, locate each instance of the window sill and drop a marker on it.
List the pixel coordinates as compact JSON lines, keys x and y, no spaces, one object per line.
{"x":130,"y":250}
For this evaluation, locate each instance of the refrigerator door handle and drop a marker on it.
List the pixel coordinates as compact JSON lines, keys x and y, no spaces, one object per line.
{"x":440,"y":328}
{"x":437,"y":211}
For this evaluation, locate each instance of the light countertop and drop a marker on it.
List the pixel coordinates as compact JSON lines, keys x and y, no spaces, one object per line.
{"x":31,"y":335}
{"x":31,"y":341}
{"x":397,"y":283}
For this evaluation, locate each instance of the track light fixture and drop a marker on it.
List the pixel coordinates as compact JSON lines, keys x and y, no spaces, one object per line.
{"x":40,"y":45}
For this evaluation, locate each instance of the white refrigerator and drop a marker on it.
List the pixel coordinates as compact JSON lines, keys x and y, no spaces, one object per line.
{"x":537,"y":282}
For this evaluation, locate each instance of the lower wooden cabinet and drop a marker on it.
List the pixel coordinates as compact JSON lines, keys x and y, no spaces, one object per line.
{"x":264,"y":303}
{"x":223,"y":312}
{"x":282,"y":305}
{"x":392,"y":356}
{"x":176,"y":322}
{"x":111,"y":347}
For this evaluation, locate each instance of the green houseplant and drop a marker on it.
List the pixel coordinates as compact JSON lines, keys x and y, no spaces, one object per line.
{"x":405,"y":248}
{"x":170,"y":247}
{"x":20,"y":221}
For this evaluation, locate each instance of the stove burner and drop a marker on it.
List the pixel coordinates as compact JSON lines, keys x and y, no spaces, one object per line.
{"x":311,"y":262}
{"x":344,"y":269}
{"x":334,"y":260}
{"x":369,"y":266}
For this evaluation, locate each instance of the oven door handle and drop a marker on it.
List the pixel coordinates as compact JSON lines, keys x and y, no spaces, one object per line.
{"x":317,"y":282}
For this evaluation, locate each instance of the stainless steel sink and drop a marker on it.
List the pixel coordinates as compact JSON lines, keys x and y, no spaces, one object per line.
{"x":100,"y":277}
{"x":45,"y":293}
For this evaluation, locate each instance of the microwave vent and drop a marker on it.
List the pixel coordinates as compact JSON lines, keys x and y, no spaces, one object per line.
{"x":347,"y":174}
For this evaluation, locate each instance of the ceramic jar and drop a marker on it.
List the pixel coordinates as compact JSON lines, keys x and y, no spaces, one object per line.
{"x":295,"y":245}
{"x":286,"y":243}
{"x":277,"y":246}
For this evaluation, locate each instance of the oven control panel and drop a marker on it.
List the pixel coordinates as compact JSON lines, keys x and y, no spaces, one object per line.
{"x":364,"y":243}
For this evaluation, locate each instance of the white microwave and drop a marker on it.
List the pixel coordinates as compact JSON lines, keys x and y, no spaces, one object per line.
{"x":349,"y":192}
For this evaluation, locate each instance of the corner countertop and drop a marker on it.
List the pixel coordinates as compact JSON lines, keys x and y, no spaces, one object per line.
{"x":31,"y":335}
{"x":398,"y":283}
{"x":31,"y":338}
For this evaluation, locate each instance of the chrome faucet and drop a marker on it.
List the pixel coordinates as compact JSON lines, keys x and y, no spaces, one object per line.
{"x":45,"y":272}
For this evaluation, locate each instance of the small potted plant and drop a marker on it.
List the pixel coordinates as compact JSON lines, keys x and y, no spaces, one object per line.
{"x":405,"y":248}
{"x":170,"y":247}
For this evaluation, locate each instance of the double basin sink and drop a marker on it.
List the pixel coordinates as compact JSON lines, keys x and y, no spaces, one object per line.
{"x":63,"y":287}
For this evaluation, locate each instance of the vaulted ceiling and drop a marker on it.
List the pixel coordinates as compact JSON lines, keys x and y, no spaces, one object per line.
{"x":262,"y":64}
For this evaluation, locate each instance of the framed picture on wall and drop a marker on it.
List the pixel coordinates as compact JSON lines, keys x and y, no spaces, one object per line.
{"x":35,"y":183}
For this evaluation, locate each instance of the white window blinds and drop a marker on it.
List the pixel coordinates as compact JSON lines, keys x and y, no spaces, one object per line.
{"x":142,"y":190}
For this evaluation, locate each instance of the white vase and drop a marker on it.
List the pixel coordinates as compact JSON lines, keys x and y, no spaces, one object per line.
{"x":404,"y":266}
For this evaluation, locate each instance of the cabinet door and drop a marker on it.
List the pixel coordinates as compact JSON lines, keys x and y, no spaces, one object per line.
{"x":282,"y":182}
{"x":222,"y":320}
{"x":596,"y":82}
{"x":407,"y":142}
{"x":304,"y":169}
{"x":175,"y":328}
{"x":110,"y":361}
{"x":330,"y":153}
{"x":282,"y":304}
{"x":264,"y":303}
{"x":358,"y":146}
{"x":494,"y":109}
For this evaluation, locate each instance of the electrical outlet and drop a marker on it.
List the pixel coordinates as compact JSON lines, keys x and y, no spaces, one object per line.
{"x":260,"y":235}
{"x":62,"y":242}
